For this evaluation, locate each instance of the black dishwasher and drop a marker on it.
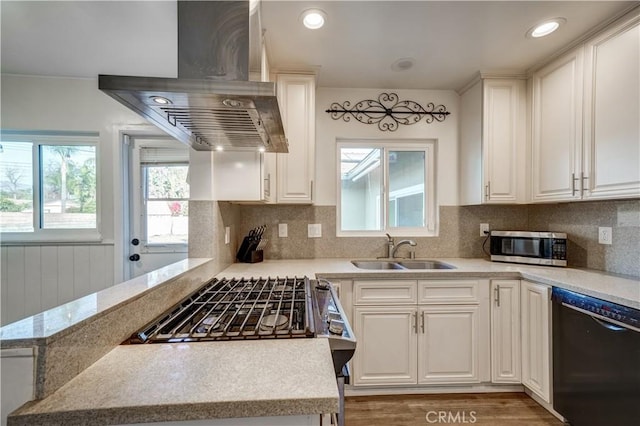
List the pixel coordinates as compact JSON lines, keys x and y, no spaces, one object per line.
{"x":596,"y":360}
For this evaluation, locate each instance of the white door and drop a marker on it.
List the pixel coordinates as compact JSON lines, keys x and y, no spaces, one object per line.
{"x":505,"y":331}
{"x":536,"y":339}
{"x":158,"y":203}
{"x":386,"y":353}
{"x":448,"y":344}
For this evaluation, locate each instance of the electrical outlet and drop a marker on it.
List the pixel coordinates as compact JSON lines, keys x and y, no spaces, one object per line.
{"x":484,"y":227}
{"x":314,"y":230}
{"x":227,"y":235}
{"x":283,"y":230}
{"x":605,"y":235}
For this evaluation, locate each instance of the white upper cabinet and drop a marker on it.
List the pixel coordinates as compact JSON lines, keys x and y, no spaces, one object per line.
{"x":296,"y":171}
{"x":586,"y":120}
{"x":612,"y":113}
{"x":493,"y":142}
{"x":242,"y":176}
{"x":557,"y":129}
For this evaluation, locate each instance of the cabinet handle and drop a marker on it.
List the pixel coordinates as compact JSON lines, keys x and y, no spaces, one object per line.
{"x":311,"y":190}
{"x":415,"y":322}
{"x":422,"y":322}
{"x":497,"y":295}
{"x":267,"y":185}
{"x":583,"y":185}
{"x":573,"y":183}
{"x":486,"y":190}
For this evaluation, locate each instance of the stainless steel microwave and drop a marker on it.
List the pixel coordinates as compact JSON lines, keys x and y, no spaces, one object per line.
{"x":536,"y":248}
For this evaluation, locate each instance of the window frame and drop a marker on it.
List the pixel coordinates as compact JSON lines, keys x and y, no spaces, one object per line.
{"x":148,"y":247}
{"x":429,"y":147}
{"x":54,"y":235}
{"x":139,"y":213}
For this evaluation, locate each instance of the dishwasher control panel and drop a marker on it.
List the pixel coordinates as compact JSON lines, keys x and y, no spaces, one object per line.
{"x":608,"y":310}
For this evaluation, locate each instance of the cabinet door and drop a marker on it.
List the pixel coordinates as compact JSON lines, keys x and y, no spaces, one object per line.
{"x":244,"y":170}
{"x":448,"y":345}
{"x":296,"y":98}
{"x":557,"y":129}
{"x":503,"y":140}
{"x":386,"y":353}
{"x":612,"y":113}
{"x":505,"y":331}
{"x":536,"y":353}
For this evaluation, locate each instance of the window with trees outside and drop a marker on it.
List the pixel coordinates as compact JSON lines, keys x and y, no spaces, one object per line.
{"x":165,"y":195}
{"x":48,"y":185}
{"x":386,"y":187}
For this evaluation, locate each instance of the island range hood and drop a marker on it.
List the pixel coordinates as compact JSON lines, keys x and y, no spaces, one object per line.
{"x":212,"y":105}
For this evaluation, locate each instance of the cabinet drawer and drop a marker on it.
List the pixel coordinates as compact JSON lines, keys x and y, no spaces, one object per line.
{"x":448,"y":291}
{"x":387,"y":292}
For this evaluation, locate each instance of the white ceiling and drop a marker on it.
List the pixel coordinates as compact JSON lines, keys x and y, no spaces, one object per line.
{"x":449,"y":40}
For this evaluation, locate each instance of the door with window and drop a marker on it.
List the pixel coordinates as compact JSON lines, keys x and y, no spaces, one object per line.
{"x":158,"y":203}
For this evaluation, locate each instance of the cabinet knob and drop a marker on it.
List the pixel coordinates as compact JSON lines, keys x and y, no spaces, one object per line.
{"x":134,"y":257}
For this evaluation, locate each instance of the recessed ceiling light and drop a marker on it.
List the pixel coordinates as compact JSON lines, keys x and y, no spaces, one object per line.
{"x":160,"y":100}
{"x":546,"y":27}
{"x":313,"y":18}
{"x":403,"y":64}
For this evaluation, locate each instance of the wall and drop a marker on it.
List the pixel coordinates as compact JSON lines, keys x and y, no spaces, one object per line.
{"x":328,"y":131}
{"x":581,"y":222}
{"x":459,"y":232}
{"x":459,"y":225}
{"x":38,"y":277}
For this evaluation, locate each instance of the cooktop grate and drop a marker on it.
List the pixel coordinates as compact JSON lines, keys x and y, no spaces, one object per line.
{"x":229,"y":309}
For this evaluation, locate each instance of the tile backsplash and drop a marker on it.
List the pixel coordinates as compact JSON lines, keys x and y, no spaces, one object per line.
{"x":459,"y":234}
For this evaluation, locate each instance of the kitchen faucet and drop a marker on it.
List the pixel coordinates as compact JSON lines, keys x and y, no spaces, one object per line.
{"x":392,"y":247}
{"x":411,"y":243}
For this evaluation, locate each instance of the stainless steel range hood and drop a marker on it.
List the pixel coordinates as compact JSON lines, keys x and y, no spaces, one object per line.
{"x":212,"y":103}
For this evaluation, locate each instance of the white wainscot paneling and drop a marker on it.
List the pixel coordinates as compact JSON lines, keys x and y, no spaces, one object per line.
{"x":37,"y":278}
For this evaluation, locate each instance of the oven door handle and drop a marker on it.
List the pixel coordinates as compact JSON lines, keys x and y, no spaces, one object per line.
{"x":602,"y":321}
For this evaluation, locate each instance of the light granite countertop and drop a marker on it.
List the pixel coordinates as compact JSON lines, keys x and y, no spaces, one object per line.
{"x":617,"y":289}
{"x":189,"y":381}
{"x":63,"y":319}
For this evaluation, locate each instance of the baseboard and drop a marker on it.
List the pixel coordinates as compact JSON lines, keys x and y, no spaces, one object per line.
{"x":478,"y":388}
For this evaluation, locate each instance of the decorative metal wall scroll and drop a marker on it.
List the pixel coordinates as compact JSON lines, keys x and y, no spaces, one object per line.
{"x":388,"y":112}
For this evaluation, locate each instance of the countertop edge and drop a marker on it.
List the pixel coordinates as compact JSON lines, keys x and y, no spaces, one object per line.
{"x":175,"y":412}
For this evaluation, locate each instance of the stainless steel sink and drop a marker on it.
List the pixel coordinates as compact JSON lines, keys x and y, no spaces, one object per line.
{"x":376,"y":264}
{"x":401,"y":264}
{"x":424,"y":264}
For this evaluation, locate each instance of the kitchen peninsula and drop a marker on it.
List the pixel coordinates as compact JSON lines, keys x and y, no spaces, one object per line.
{"x":238,"y":379}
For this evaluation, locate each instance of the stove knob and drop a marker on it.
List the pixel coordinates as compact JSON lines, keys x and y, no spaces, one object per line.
{"x":336,"y":326}
{"x":334,"y":316}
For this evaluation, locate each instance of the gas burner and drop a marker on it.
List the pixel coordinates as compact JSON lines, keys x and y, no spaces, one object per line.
{"x":274,"y":322}
{"x":282,"y":287}
{"x":207,"y":322}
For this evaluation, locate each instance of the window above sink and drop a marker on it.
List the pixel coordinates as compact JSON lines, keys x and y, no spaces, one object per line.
{"x":386,"y":187}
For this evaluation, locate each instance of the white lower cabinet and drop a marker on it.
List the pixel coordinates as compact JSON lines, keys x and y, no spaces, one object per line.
{"x":448,"y":345}
{"x":437,"y":341}
{"x":536,"y":339}
{"x":505,"y":331}
{"x":386,"y":352}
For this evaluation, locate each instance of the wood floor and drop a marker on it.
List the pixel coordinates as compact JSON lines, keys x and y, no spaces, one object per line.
{"x":508,"y":409}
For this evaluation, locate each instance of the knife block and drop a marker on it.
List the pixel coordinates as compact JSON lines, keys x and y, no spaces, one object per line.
{"x":255,"y":256}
